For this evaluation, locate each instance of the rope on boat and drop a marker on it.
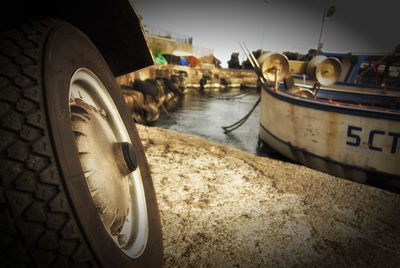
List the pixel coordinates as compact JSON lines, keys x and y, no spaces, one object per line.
{"x":395,"y":51}
{"x":236,"y":125}
{"x":263,"y":80}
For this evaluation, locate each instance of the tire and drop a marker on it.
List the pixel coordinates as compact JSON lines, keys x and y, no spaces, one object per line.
{"x":171,"y":86}
{"x":47,"y":214}
{"x":145,"y":87}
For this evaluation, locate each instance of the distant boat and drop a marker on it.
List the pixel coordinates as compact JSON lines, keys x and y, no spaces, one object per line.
{"x":350,"y":129}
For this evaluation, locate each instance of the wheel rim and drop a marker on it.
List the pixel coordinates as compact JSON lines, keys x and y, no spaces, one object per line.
{"x":104,"y":161}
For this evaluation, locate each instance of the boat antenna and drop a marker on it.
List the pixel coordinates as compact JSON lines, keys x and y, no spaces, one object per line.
{"x":250,"y":56}
{"x":325,"y":14}
{"x":247,"y":56}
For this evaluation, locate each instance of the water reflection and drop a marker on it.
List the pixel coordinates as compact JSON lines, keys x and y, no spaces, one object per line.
{"x":203,"y":113}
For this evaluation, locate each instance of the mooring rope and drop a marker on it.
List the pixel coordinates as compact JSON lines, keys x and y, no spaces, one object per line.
{"x":236,"y":125}
{"x":239,"y":95}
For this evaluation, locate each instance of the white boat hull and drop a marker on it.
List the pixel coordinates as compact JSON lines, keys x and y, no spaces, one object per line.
{"x":342,"y":140}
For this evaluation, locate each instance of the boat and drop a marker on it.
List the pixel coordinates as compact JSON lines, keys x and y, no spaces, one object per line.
{"x":319,"y":114}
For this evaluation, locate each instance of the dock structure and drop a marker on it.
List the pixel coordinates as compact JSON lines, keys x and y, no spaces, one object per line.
{"x":192,"y":76}
{"x":157,"y":88}
{"x":221,"y":207}
{"x":179,"y":66}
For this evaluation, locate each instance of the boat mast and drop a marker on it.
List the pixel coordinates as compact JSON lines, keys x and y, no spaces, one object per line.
{"x":325,"y":14}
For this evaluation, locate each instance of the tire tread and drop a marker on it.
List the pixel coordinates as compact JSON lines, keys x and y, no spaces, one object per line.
{"x":38,"y":226}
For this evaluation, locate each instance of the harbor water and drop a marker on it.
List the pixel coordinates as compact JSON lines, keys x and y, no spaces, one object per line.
{"x":204,"y":112}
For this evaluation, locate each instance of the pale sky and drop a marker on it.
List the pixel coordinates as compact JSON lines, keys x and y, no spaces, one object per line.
{"x":278,"y":25}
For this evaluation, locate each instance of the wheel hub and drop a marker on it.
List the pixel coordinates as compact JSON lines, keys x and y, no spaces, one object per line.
{"x":105,"y":162}
{"x":129,"y":156}
{"x":108,"y":162}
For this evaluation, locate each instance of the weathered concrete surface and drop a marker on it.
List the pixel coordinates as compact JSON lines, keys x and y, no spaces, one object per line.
{"x":221,"y":207}
{"x":236,"y":76}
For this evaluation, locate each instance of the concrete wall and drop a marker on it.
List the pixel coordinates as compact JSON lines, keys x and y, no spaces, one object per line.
{"x":235,"y":76}
{"x":168,"y":46}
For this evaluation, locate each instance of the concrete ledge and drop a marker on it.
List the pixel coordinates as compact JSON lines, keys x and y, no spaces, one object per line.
{"x":194,"y":75}
{"x":221,"y":207}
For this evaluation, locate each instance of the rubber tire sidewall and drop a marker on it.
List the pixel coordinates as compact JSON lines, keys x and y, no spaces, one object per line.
{"x":68,"y":49}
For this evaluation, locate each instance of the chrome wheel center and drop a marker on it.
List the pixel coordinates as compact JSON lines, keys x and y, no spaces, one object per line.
{"x":109,"y":163}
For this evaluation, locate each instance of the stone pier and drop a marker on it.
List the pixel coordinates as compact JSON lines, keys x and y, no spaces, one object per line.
{"x":221,"y":207}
